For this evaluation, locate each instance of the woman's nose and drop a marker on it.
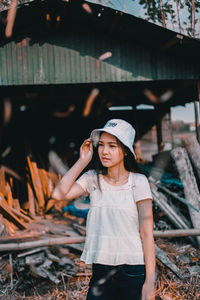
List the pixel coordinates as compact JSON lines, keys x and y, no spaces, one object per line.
{"x":105,"y":149}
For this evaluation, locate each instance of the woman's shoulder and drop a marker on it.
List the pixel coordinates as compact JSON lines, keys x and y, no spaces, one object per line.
{"x":91,"y":172}
{"x":138,"y":177}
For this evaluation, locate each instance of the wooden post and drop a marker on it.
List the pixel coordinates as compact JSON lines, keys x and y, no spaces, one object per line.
{"x":188,"y":179}
{"x":196,"y":113}
{"x":198,"y":88}
{"x":159,"y":131}
{"x":37,"y":184}
{"x":193,"y":148}
{"x":171,"y":130}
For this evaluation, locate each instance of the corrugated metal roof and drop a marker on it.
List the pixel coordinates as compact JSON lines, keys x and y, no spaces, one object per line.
{"x":73,"y":58}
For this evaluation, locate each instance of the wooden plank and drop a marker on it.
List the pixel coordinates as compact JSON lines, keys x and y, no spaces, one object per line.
{"x":20,"y":215}
{"x":9,"y":195}
{"x":176,"y":217}
{"x":3,"y":189}
{"x":175,"y":196}
{"x":16,"y":204}
{"x":159,"y":131}
{"x":2,"y":225}
{"x":31,"y":200}
{"x":37,"y":184}
{"x":193,"y":149}
{"x":176,"y":233}
{"x":9,"y":215}
{"x":45,"y":183}
{"x":188,"y":179}
{"x":43,"y":242}
{"x":196,"y":113}
{"x":163,"y":257}
{"x":19,"y":238}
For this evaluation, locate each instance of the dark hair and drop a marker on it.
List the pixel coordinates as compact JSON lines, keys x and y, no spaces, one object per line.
{"x":130,"y":162}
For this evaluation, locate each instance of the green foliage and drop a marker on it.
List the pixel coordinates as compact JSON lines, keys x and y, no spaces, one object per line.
{"x":182,"y":14}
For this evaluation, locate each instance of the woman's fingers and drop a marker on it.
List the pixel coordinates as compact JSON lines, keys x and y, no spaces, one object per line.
{"x":87,"y":143}
{"x":86,"y":150}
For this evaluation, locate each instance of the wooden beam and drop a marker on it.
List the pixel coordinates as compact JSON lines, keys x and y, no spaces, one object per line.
{"x":9,"y":195}
{"x":37,"y":184}
{"x":176,"y":233}
{"x":159,"y":131}
{"x":45,"y":183}
{"x":188,"y":179}
{"x":9,"y":215}
{"x":31,"y":200}
{"x":193,"y":149}
{"x":41,"y":243}
{"x":174,"y":215}
{"x":198,"y":88}
{"x":3,"y":188}
{"x":196,"y":113}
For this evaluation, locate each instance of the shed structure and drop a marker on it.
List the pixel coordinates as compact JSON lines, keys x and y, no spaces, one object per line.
{"x":59,"y":51}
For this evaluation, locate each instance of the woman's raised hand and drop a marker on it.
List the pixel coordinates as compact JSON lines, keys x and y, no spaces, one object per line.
{"x":86,"y":151}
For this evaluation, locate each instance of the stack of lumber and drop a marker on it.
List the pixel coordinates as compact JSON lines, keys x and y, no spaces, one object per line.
{"x":39,"y":184}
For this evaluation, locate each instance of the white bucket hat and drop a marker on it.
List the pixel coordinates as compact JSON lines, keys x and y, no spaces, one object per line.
{"x":121,"y":129}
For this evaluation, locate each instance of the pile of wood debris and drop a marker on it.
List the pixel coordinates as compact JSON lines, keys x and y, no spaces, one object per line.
{"x":40,"y":245}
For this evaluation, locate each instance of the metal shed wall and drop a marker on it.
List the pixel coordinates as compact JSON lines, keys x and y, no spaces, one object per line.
{"x":73,"y":58}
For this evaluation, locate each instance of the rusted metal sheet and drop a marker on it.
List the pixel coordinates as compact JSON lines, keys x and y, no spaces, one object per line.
{"x":74,"y":58}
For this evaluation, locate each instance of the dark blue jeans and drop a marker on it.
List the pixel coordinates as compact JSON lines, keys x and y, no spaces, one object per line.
{"x":123,"y":282}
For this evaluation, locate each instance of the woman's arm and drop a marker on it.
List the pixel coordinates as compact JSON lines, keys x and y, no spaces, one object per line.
{"x":67,"y":189}
{"x":146,"y":232}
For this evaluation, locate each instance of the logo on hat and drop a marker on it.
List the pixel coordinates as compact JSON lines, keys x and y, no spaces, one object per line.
{"x":110,"y":124}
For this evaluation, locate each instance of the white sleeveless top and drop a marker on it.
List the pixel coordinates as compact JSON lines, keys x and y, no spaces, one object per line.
{"x":112,"y":229}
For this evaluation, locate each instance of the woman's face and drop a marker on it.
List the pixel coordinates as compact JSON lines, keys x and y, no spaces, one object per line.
{"x":110,"y":151}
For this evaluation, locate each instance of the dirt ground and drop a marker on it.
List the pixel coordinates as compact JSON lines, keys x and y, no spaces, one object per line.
{"x":74,"y":287}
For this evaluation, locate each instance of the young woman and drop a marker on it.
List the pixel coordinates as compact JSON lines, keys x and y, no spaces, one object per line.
{"x":119,"y":241}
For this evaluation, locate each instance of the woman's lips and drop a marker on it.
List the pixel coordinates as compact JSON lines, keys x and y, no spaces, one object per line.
{"x":105,"y":159}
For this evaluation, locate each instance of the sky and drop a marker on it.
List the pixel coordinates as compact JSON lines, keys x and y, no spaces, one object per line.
{"x":134,"y":7}
{"x":184,"y":113}
{"x":178,"y":113}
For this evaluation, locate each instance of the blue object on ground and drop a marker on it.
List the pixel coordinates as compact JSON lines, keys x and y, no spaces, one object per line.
{"x":76,"y":210}
{"x":166,"y":177}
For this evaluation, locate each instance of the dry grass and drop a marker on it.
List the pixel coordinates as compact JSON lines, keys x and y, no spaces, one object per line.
{"x":168,"y":286}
